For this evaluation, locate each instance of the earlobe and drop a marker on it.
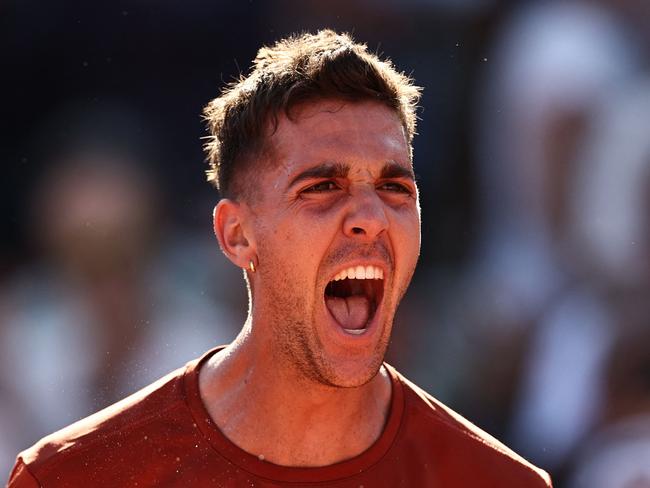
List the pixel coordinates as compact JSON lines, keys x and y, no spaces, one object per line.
{"x":229,"y":219}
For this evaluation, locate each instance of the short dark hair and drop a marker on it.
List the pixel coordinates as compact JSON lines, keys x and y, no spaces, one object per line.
{"x":301,"y":68}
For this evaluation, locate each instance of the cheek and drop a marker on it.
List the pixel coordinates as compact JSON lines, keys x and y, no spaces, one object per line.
{"x":407,"y":234}
{"x":407,"y":219}
{"x":311,"y":226}
{"x":293,"y":245}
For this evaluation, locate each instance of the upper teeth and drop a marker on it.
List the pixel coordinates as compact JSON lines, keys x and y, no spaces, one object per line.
{"x":361,"y":273}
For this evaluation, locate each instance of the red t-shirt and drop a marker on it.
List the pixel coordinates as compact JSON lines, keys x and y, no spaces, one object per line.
{"x":163,"y":436}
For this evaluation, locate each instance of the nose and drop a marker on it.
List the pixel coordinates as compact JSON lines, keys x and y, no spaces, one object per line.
{"x":366,"y":216}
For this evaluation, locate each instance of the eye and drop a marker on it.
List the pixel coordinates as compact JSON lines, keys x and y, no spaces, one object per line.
{"x":321,"y":186}
{"x":395,"y":187}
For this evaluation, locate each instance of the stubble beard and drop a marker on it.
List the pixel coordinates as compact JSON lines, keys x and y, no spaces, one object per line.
{"x":295,"y":335}
{"x":297,"y":343}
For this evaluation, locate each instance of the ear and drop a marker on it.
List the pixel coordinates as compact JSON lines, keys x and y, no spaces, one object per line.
{"x":229,"y":219}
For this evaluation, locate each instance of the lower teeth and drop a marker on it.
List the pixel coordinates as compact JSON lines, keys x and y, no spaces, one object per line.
{"x":354,"y":331}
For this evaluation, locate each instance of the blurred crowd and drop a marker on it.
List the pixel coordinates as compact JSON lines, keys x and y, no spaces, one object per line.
{"x":529,"y":313}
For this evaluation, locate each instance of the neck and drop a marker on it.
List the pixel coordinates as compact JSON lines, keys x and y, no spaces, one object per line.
{"x":273,"y":412}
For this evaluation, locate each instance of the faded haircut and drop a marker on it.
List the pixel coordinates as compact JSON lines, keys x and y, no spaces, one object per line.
{"x":301,"y":68}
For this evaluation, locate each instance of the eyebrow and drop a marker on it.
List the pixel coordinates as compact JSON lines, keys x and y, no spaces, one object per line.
{"x":340,"y":170}
{"x":325,"y":170}
{"x":394,"y":170}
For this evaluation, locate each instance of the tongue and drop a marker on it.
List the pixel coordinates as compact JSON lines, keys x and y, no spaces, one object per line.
{"x":351,"y":312}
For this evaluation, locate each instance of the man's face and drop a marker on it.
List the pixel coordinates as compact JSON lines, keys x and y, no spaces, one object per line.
{"x":339,"y":196}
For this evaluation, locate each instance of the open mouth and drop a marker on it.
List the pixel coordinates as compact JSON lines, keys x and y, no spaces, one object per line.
{"x":353,"y":296}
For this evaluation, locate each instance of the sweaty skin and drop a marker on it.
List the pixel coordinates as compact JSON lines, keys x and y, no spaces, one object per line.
{"x":295,"y":387}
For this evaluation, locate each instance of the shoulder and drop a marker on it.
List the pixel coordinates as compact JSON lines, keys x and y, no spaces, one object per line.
{"x":110,"y":433}
{"x":459,"y":444}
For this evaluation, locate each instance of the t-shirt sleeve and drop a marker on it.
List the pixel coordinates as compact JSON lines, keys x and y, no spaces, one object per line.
{"x":21,"y":477}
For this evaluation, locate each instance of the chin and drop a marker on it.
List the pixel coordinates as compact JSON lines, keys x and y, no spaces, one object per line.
{"x":348,"y":370}
{"x":356,"y":377}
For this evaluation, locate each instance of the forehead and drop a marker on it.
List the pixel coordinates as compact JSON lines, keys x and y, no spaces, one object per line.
{"x":362,"y":135}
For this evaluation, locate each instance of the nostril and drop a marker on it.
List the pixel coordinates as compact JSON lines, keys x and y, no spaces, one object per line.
{"x":357,"y":230}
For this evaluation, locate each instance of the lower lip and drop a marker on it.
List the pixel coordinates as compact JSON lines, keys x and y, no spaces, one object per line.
{"x":355,"y":331}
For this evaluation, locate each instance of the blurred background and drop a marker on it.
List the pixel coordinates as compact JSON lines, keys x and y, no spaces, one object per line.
{"x":529,"y":312}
